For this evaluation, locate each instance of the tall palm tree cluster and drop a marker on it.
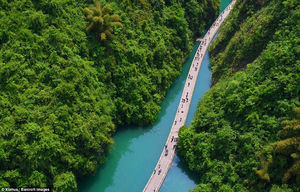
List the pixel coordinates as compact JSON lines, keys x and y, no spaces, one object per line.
{"x":101,"y":21}
{"x":285,"y":153}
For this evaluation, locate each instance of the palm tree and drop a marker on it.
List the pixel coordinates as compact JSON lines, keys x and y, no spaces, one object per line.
{"x":286,"y":150}
{"x":101,"y":21}
{"x":290,"y":146}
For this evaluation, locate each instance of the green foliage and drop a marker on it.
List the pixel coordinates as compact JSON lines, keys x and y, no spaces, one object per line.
{"x":199,"y":10}
{"x":65,"y":182}
{"x":38,"y":179}
{"x":284,"y":163}
{"x":62,"y":93}
{"x":256,"y":84}
{"x":243,"y":49}
{"x":284,"y":188}
{"x":101,"y":22}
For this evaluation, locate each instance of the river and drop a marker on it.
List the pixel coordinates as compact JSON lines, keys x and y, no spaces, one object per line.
{"x":136,"y":149}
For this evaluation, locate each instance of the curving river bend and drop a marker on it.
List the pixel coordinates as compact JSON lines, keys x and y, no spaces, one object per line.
{"x":136,"y":149}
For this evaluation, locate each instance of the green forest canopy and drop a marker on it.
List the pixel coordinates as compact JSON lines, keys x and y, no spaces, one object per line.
{"x":63,"y":91}
{"x":256,"y":84}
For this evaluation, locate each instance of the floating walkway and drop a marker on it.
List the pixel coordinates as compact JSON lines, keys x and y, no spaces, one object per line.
{"x":164,"y":163}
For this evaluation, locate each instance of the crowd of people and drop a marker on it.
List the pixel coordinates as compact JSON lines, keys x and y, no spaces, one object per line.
{"x":199,"y":55}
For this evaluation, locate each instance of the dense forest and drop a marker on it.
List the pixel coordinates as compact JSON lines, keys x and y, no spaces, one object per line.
{"x":246,"y":132}
{"x":71,"y":72}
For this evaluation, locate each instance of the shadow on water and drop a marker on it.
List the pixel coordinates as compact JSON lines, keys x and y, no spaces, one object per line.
{"x":87,"y":183}
{"x":183,"y":166}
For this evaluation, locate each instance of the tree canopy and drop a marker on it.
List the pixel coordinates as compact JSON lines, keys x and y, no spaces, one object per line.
{"x":283,"y":161}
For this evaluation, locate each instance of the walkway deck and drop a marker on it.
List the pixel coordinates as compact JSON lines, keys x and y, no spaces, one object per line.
{"x":164,"y":163}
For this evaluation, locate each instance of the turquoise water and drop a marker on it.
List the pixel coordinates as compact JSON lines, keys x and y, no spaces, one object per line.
{"x":224,"y":4}
{"x":136,"y":149}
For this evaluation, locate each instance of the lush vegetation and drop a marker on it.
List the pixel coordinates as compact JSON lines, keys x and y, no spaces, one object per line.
{"x":245,"y":135}
{"x":282,"y":159}
{"x":101,"y":21}
{"x":71,"y":71}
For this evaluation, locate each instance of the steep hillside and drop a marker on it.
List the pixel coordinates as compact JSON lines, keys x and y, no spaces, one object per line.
{"x":71,"y":71}
{"x":256,"y":84}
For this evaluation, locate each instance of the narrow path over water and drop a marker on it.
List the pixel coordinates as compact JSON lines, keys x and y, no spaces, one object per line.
{"x":179,"y":177}
{"x":123,"y":170}
{"x":168,"y":153}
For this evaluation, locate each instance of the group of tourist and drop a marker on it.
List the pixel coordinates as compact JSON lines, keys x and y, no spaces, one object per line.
{"x":173,"y":139}
{"x":190,"y":77}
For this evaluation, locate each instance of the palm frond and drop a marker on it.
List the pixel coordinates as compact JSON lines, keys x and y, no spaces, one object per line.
{"x":115,"y":17}
{"x":294,"y":170}
{"x":116,"y":24}
{"x":88,"y":11}
{"x":106,"y":18}
{"x":89,"y":17}
{"x":90,"y":27}
{"x":108,"y":32}
{"x":106,"y":8}
{"x":97,"y":4}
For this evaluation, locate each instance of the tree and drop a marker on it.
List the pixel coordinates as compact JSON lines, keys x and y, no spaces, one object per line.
{"x":286,"y":150}
{"x":37,"y":179}
{"x":65,"y":182}
{"x":101,"y":21}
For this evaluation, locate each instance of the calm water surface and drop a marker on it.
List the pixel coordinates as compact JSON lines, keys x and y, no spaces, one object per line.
{"x":136,"y":149}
